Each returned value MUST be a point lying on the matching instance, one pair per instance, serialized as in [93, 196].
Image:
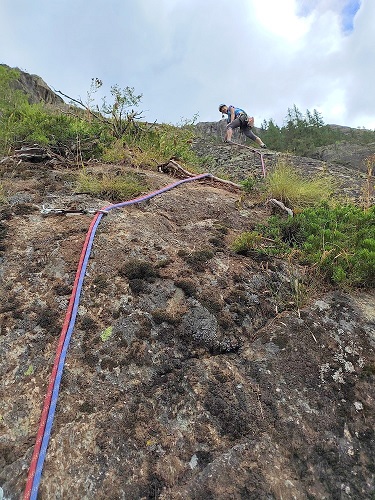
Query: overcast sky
[188, 56]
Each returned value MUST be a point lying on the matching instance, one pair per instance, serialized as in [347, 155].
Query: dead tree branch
[173, 168]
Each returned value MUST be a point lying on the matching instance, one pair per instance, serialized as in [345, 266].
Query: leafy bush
[37, 124]
[116, 152]
[112, 131]
[9, 97]
[155, 144]
[248, 184]
[151, 144]
[297, 192]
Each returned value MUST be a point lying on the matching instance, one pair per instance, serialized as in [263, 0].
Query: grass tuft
[249, 240]
[295, 191]
[111, 186]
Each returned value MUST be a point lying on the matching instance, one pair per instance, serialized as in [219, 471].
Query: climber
[237, 117]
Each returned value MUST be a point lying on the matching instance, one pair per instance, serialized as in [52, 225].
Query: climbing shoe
[263, 146]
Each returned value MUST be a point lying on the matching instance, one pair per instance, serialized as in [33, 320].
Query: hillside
[193, 372]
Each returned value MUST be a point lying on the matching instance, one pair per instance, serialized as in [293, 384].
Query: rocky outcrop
[347, 154]
[193, 372]
[241, 163]
[35, 88]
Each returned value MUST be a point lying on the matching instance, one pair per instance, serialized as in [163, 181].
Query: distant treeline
[302, 133]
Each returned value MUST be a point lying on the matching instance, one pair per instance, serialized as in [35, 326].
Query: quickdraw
[67, 211]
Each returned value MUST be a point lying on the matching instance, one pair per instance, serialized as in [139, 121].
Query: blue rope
[57, 382]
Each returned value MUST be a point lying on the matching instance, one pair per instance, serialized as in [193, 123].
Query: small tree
[121, 112]
[272, 135]
[119, 115]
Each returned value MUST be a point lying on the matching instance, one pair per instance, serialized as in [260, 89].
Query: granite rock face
[193, 372]
[347, 154]
[36, 89]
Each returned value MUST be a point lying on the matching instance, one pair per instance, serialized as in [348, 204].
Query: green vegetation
[247, 241]
[285, 184]
[249, 184]
[111, 185]
[339, 241]
[106, 333]
[35, 124]
[29, 371]
[336, 239]
[22, 122]
[112, 132]
[152, 145]
[10, 98]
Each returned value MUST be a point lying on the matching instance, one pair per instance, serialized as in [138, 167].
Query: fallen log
[176, 170]
[34, 154]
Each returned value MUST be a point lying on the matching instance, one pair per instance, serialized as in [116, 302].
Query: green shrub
[10, 98]
[156, 144]
[246, 241]
[115, 152]
[112, 131]
[248, 184]
[339, 240]
[36, 124]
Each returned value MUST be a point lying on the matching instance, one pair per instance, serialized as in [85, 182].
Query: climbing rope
[49, 407]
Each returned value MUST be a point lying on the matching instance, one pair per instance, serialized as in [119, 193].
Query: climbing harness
[50, 402]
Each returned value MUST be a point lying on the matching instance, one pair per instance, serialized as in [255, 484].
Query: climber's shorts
[245, 129]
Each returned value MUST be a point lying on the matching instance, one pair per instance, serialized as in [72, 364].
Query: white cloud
[281, 19]
[187, 56]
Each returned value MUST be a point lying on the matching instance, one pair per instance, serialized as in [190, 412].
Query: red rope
[47, 400]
